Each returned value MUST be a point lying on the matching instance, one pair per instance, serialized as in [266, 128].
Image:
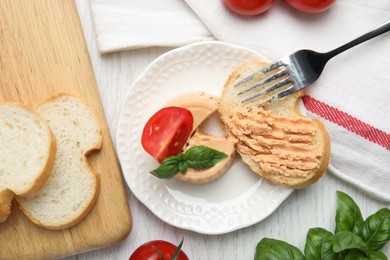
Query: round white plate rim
[124, 157]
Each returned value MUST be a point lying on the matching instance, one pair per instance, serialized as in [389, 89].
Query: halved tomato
[166, 132]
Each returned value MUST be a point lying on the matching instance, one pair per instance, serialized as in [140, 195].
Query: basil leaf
[272, 249]
[183, 166]
[348, 215]
[347, 240]
[376, 229]
[356, 255]
[198, 157]
[375, 255]
[319, 245]
[203, 157]
[359, 255]
[168, 168]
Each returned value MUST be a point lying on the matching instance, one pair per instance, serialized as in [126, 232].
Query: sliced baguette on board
[73, 188]
[275, 141]
[27, 151]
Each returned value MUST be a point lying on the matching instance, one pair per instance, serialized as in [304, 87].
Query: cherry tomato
[249, 7]
[166, 132]
[311, 6]
[148, 251]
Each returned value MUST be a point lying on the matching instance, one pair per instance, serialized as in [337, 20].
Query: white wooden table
[311, 207]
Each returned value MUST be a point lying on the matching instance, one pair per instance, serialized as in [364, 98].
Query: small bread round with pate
[276, 141]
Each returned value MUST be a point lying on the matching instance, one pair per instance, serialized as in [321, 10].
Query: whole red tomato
[311, 6]
[151, 251]
[166, 132]
[249, 7]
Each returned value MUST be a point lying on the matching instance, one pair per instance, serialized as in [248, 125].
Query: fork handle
[385, 27]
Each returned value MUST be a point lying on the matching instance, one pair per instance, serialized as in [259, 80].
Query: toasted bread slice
[276, 140]
[27, 151]
[73, 188]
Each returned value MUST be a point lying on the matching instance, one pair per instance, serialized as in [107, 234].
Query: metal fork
[299, 70]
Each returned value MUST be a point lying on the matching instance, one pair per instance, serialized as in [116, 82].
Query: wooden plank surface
[43, 53]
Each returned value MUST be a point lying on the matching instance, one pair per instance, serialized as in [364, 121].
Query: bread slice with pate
[27, 151]
[275, 140]
[73, 188]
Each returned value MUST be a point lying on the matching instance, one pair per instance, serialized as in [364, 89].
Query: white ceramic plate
[240, 198]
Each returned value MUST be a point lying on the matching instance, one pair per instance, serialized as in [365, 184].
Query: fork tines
[282, 74]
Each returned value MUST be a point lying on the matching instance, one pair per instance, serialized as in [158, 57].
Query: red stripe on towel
[347, 121]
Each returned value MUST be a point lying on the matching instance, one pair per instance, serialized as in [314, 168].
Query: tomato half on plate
[167, 131]
[311, 6]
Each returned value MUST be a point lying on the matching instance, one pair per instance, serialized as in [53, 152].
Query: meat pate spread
[284, 146]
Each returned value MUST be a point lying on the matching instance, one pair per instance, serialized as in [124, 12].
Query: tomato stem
[158, 252]
[178, 249]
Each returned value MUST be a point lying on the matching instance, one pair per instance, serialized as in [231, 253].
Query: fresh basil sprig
[354, 237]
[197, 157]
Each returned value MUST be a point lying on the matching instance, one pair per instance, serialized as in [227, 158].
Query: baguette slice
[73, 188]
[27, 151]
[276, 141]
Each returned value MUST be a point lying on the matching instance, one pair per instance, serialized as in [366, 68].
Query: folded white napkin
[130, 24]
[352, 97]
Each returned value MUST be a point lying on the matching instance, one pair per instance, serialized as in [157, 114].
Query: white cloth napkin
[131, 24]
[352, 97]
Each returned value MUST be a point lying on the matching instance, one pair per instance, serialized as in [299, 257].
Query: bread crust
[230, 100]
[6, 197]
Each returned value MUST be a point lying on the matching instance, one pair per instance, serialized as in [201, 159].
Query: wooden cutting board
[43, 53]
